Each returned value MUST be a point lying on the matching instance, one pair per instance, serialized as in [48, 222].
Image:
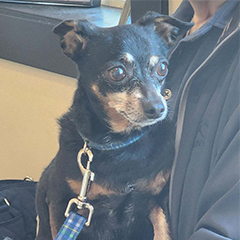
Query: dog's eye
[117, 73]
[162, 69]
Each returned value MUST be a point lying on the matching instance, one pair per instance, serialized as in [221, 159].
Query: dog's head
[123, 69]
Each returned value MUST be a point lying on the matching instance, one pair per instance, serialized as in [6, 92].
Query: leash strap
[71, 228]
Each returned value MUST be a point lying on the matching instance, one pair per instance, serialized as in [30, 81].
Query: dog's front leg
[56, 216]
[43, 231]
[160, 225]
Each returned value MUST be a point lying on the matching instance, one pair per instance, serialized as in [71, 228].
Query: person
[204, 80]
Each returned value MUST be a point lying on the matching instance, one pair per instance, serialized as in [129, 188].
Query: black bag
[17, 210]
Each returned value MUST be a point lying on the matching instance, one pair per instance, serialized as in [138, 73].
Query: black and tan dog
[116, 108]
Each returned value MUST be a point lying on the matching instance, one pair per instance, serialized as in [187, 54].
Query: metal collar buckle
[88, 177]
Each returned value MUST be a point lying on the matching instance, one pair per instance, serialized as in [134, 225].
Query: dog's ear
[74, 36]
[169, 28]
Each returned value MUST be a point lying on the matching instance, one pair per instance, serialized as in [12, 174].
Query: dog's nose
[153, 111]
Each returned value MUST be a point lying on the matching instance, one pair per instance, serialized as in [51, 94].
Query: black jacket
[204, 78]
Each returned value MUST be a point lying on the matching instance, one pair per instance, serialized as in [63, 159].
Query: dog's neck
[113, 141]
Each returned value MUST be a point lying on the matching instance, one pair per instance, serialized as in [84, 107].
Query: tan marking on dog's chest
[156, 185]
[95, 189]
[160, 225]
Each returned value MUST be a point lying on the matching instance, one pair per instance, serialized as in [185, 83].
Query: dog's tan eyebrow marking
[127, 57]
[153, 60]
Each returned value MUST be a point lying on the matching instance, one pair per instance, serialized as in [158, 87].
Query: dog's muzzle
[154, 110]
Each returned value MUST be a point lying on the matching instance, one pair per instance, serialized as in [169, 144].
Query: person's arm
[219, 203]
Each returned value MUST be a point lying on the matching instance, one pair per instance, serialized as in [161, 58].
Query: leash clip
[80, 205]
[88, 177]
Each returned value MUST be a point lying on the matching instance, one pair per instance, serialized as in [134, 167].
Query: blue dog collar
[107, 146]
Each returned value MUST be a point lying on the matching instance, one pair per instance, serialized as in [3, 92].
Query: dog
[117, 113]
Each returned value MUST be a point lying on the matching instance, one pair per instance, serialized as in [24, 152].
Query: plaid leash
[74, 222]
[71, 227]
